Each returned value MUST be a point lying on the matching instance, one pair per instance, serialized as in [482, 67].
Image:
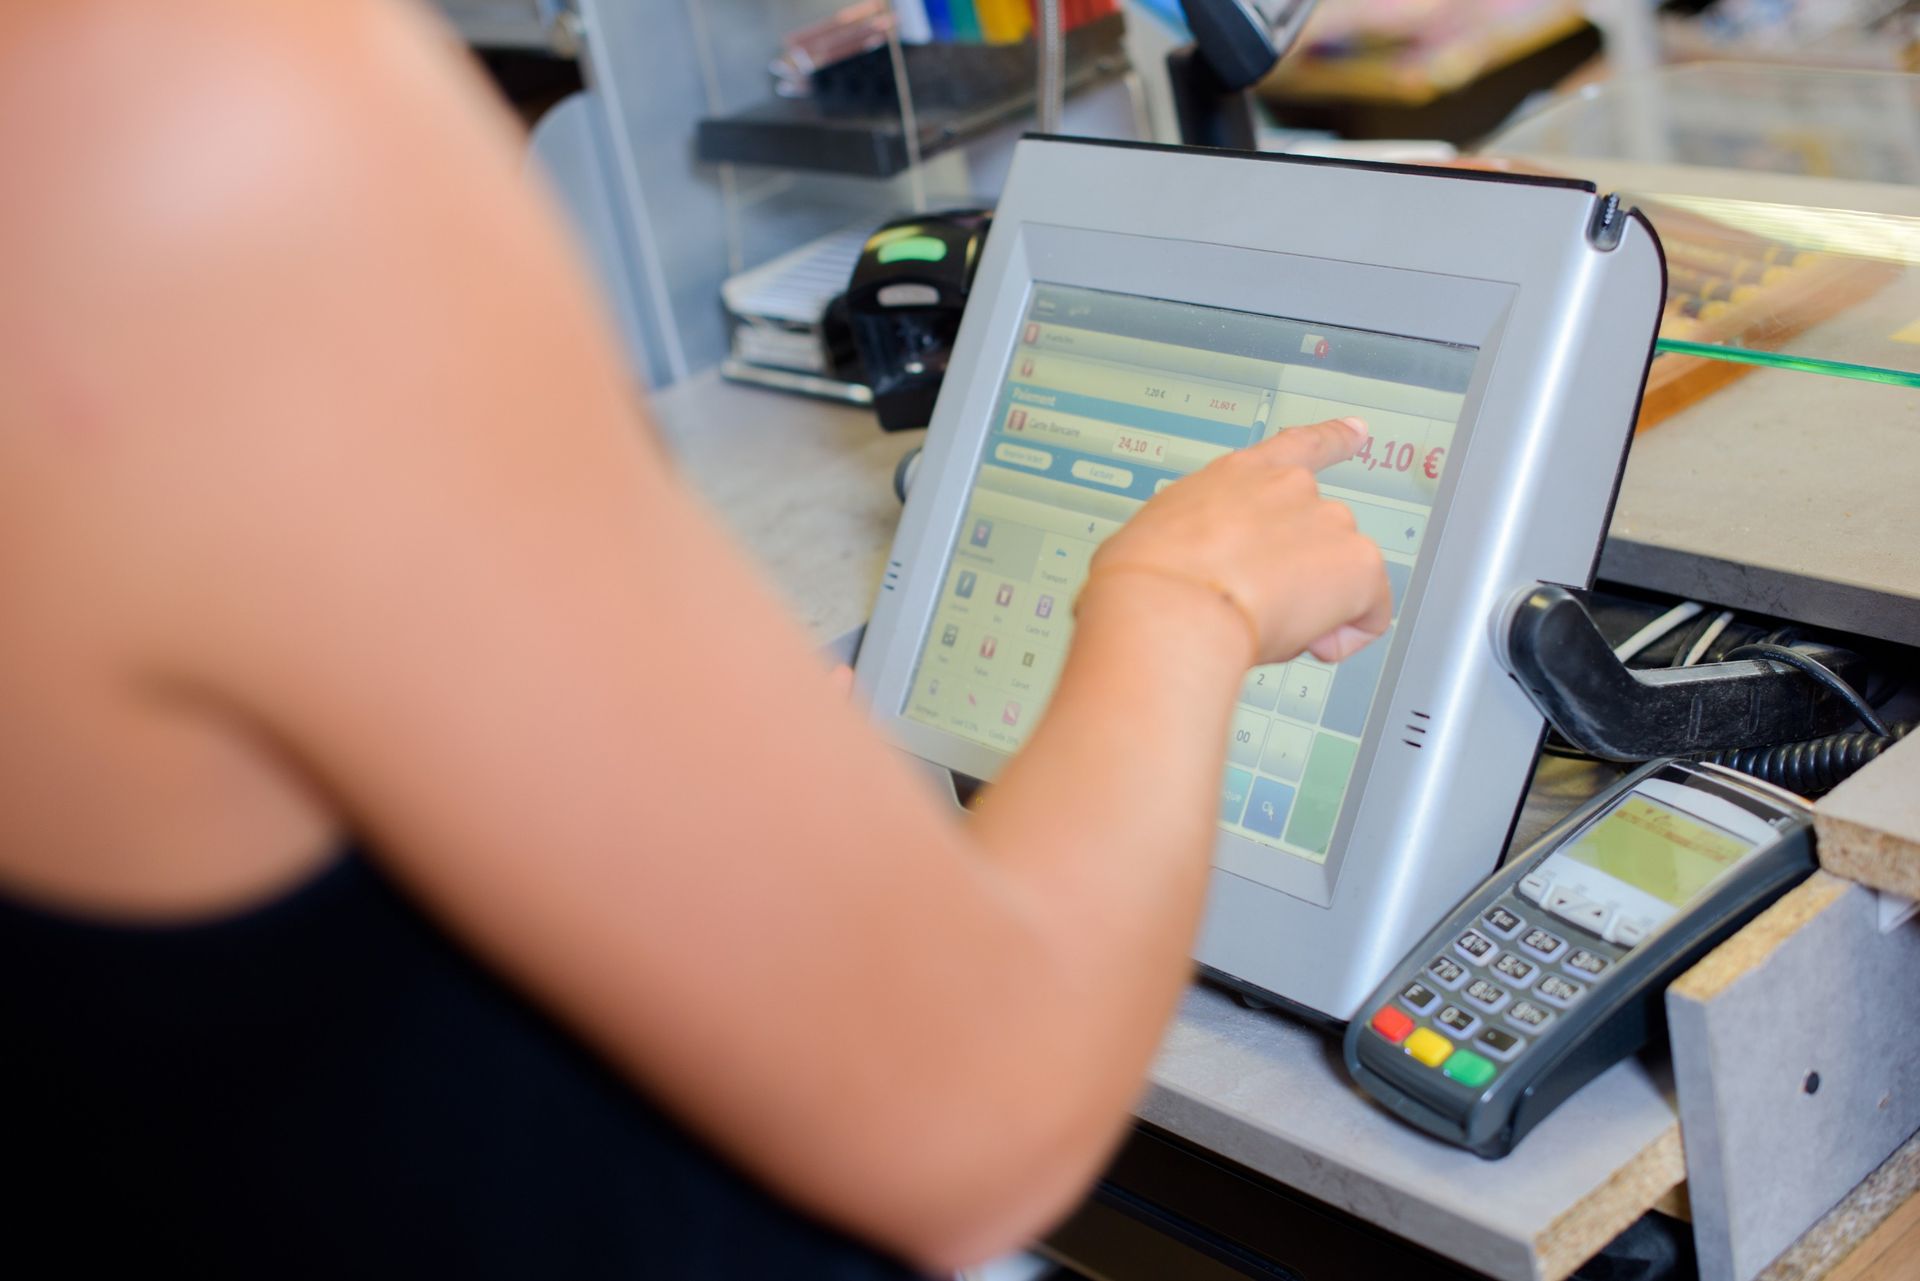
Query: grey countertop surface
[1789, 494]
[806, 486]
[1272, 1094]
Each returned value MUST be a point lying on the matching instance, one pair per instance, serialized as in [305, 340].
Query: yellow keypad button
[1429, 1046]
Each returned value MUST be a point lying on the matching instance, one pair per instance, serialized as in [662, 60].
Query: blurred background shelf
[1374, 103]
[824, 135]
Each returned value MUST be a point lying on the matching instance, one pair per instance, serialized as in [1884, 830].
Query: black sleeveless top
[329, 1086]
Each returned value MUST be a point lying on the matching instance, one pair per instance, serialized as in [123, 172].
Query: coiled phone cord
[1816, 766]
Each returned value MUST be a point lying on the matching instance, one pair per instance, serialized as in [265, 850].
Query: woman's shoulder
[110, 52]
[234, 235]
[193, 170]
[141, 115]
[124, 64]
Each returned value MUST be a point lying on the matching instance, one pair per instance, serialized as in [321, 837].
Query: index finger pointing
[1314, 446]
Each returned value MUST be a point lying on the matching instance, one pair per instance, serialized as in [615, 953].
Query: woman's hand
[1252, 528]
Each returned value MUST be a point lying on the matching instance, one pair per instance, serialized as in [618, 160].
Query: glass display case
[725, 157]
[1780, 431]
[1786, 201]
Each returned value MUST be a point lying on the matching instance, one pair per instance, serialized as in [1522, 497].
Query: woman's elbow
[988, 1204]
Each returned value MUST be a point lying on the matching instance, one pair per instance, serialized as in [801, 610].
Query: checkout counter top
[807, 486]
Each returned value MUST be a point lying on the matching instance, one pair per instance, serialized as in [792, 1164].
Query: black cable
[1740, 632]
[1820, 672]
[1816, 766]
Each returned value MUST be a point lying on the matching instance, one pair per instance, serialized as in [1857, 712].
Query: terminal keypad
[1499, 1043]
[1559, 991]
[1510, 977]
[1526, 1014]
[1475, 946]
[1488, 996]
[1516, 969]
[1543, 944]
[1501, 921]
[1589, 963]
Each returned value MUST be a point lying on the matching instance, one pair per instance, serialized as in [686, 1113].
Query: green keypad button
[1469, 1069]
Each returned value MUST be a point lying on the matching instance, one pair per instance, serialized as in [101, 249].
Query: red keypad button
[1392, 1024]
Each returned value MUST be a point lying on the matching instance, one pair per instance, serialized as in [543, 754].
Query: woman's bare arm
[342, 455]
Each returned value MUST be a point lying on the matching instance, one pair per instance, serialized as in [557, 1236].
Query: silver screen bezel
[1431, 306]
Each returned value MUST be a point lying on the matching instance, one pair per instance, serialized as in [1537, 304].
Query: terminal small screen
[1657, 850]
[1109, 398]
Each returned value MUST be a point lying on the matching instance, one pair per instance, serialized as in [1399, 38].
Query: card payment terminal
[1556, 968]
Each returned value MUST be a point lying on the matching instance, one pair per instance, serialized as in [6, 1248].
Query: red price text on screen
[1399, 455]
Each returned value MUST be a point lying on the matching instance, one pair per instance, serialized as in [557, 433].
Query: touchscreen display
[1658, 850]
[1109, 398]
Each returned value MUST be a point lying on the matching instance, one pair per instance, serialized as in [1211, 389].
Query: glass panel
[1783, 199]
[1758, 283]
[1853, 125]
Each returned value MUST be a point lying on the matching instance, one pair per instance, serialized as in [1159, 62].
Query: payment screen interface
[1657, 850]
[1110, 398]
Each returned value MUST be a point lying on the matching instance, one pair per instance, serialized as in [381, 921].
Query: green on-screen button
[913, 249]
